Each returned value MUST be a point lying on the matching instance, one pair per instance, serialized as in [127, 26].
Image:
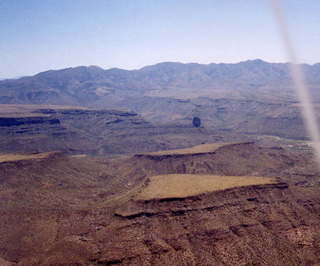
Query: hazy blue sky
[38, 35]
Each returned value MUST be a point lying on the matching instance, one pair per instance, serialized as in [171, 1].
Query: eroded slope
[81, 210]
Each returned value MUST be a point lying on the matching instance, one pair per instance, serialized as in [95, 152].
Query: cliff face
[18, 121]
[258, 225]
[233, 159]
[70, 130]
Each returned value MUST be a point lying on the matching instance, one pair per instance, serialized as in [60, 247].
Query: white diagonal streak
[307, 109]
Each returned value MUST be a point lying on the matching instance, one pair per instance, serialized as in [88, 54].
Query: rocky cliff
[72, 130]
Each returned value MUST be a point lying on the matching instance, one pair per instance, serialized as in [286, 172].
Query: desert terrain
[105, 167]
[217, 205]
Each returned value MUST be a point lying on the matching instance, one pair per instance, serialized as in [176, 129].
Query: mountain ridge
[84, 85]
[257, 60]
[155, 66]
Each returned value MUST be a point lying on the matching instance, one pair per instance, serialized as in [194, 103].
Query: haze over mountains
[250, 97]
[94, 86]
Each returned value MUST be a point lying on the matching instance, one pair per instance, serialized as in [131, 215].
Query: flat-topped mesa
[166, 199]
[195, 150]
[187, 185]
[85, 112]
[32, 110]
[225, 159]
[107, 117]
[39, 128]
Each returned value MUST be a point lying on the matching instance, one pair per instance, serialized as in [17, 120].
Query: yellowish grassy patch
[23, 107]
[79, 155]
[19, 157]
[204, 148]
[183, 185]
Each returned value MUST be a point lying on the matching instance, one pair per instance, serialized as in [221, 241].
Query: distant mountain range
[251, 97]
[94, 86]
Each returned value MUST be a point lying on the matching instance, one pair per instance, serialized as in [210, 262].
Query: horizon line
[145, 66]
